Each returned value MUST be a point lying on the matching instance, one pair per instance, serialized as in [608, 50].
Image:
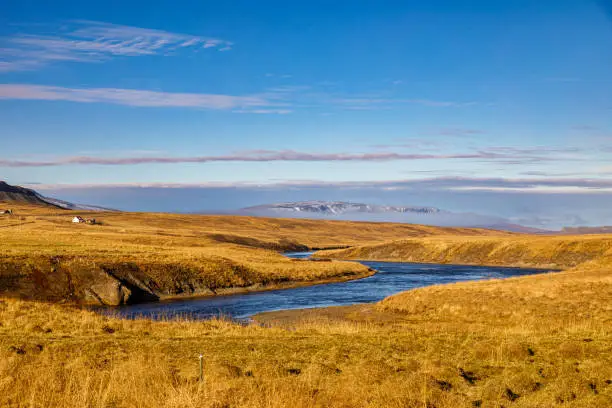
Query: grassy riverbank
[533, 341]
[562, 251]
[536, 341]
[134, 257]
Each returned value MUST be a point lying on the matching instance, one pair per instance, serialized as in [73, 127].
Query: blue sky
[446, 97]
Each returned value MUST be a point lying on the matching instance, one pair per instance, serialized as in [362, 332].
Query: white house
[78, 220]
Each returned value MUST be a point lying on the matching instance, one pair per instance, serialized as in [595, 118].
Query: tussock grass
[533, 341]
[537, 341]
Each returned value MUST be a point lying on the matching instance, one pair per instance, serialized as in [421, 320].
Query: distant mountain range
[22, 195]
[340, 210]
[339, 207]
[383, 213]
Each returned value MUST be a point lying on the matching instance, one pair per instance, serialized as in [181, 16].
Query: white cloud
[89, 41]
[500, 185]
[507, 157]
[278, 100]
[133, 97]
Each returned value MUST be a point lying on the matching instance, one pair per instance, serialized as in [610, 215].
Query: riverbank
[535, 341]
[347, 276]
[546, 252]
[390, 278]
[540, 340]
[146, 257]
[136, 257]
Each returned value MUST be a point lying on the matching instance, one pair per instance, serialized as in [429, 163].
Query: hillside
[17, 195]
[540, 340]
[135, 257]
[350, 211]
[11, 195]
[562, 251]
[534, 341]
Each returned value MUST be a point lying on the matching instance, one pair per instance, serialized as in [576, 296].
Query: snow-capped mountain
[339, 207]
[342, 210]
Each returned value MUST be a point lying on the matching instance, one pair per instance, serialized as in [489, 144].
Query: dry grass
[534, 341]
[46, 257]
[538, 341]
[562, 251]
[255, 231]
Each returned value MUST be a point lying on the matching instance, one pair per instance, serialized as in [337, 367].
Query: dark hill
[21, 195]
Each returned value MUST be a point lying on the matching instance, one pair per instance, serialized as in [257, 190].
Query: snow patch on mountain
[340, 207]
[341, 210]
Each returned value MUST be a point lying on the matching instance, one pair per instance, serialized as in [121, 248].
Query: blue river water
[392, 277]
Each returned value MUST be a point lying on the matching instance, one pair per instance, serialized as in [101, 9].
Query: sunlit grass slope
[537, 341]
[133, 257]
[563, 251]
[534, 341]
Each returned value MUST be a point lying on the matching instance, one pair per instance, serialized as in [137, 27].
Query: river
[392, 277]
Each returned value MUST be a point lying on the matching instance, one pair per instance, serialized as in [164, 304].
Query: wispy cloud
[90, 41]
[555, 174]
[495, 154]
[534, 150]
[277, 100]
[265, 111]
[132, 97]
[364, 103]
[516, 185]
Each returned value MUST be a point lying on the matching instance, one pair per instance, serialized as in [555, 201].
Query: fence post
[201, 368]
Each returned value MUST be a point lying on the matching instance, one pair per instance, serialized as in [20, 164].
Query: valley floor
[534, 341]
[537, 341]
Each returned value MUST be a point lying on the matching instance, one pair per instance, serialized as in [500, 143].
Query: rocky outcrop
[111, 293]
[58, 279]
[111, 282]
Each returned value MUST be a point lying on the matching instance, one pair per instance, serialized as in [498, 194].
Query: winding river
[392, 277]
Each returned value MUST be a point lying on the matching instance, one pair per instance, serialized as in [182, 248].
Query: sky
[502, 108]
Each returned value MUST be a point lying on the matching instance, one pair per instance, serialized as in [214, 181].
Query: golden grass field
[561, 251]
[46, 257]
[535, 341]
